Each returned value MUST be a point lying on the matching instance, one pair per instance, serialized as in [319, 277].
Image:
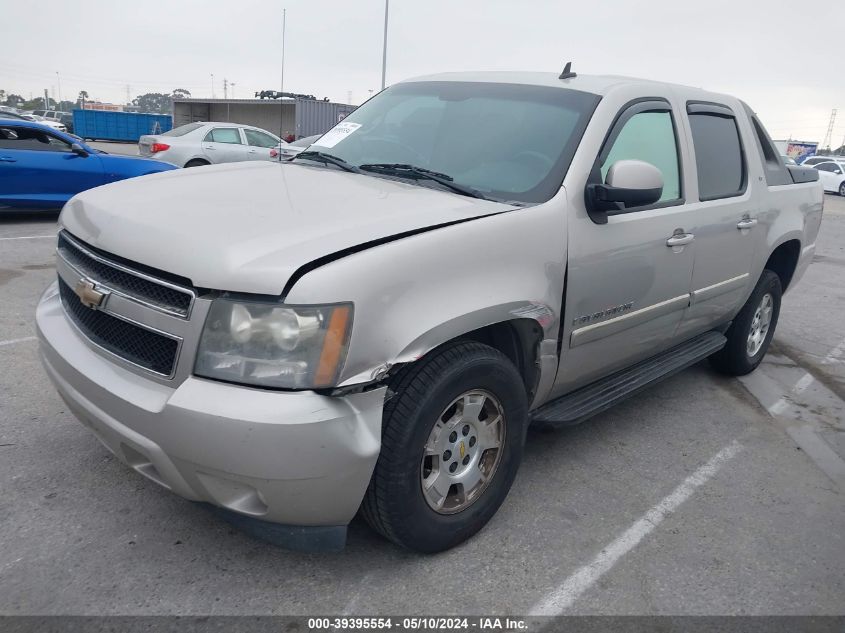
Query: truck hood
[247, 227]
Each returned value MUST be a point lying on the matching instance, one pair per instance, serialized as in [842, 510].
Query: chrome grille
[136, 285]
[153, 351]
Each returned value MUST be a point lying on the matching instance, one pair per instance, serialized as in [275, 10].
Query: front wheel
[842, 189]
[453, 431]
[752, 330]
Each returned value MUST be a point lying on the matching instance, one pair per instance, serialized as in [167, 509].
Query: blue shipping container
[118, 126]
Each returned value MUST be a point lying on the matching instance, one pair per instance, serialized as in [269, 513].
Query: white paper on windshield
[337, 134]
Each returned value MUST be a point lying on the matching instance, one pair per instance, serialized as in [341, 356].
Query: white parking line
[559, 600]
[12, 341]
[801, 386]
[834, 356]
[30, 237]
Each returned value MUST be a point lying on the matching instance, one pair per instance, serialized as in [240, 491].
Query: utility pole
[828, 137]
[225, 88]
[384, 48]
[348, 97]
[233, 89]
[128, 98]
[59, 83]
[212, 85]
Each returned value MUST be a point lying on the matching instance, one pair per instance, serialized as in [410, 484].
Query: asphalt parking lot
[703, 495]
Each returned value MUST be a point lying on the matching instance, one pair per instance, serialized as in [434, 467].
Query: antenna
[567, 72]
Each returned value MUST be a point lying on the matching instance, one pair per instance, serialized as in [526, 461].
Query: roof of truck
[597, 84]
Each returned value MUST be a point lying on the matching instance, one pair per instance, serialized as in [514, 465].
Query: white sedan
[198, 144]
[832, 175]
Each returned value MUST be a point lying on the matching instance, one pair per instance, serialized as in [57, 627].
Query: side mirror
[631, 183]
[77, 149]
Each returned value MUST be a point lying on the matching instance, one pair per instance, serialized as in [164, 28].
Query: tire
[741, 355]
[842, 189]
[423, 394]
[196, 162]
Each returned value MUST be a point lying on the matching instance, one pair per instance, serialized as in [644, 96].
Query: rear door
[259, 144]
[39, 168]
[726, 210]
[628, 279]
[224, 145]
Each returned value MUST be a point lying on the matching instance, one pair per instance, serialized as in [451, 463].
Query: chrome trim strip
[717, 289]
[595, 331]
[135, 273]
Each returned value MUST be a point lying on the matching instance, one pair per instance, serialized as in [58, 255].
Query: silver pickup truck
[374, 325]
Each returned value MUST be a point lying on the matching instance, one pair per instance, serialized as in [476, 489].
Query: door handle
[7, 159]
[746, 223]
[680, 239]
[209, 147]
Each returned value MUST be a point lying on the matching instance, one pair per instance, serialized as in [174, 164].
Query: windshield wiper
[329, 159]
[420, 173]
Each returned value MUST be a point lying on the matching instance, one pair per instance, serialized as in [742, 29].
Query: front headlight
[274, 345]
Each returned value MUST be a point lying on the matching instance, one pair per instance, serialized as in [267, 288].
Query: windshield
[509, 142]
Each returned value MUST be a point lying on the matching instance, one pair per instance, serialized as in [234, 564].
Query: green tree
[2, 97]
[153, 102]
[16, 101]
[38, 104]
[181, 93]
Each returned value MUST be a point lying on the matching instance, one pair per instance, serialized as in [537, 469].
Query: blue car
[43, 168]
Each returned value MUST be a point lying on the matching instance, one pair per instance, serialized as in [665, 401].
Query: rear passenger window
[650, 137]
[224, 135]
[718, 152]
[773, 167]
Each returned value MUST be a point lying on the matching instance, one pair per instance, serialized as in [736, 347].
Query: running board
[599, 396]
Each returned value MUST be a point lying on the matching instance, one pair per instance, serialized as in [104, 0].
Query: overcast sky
[770, 53]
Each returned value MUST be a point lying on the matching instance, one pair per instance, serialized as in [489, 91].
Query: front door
[38, 168]
[830, 175]
[259, 144]
[628, 280]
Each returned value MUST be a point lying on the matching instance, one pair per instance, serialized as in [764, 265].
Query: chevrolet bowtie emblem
[88, 294]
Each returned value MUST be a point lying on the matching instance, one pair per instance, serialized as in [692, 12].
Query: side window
[773, 167]
[650, 137]
[718, 153]
[831, 167]
[224, 135]
[25, 138]
[259, 139]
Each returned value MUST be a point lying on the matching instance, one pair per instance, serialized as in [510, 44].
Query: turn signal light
[159, 147]
[273, 153]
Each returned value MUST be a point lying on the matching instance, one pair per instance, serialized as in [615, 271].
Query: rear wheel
[452, 439]
[842, 188]
[752, 330]
[196, 162]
